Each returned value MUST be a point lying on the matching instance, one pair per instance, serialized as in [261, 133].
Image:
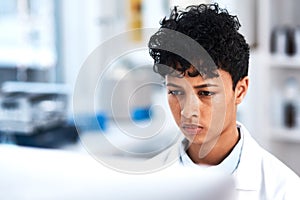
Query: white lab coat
[262, 176]
[259, 175]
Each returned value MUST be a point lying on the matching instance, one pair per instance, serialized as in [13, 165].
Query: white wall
[83, 25]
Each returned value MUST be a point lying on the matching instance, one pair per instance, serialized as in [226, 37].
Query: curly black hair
[214, 30]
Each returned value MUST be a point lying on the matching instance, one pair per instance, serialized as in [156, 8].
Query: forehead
[223, 80]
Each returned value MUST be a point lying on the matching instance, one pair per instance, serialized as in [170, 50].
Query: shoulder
[273, 176]
[271, 166]
[278, 177]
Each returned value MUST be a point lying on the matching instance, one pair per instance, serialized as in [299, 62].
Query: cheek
[222, 109]
[175, 108]
[218, 109]
[230, 108]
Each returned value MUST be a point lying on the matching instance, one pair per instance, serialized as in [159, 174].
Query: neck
[218, 152]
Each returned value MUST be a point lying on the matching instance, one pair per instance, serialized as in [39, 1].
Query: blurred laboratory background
[44, 45]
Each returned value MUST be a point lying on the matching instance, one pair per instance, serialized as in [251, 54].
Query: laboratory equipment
[35, 114]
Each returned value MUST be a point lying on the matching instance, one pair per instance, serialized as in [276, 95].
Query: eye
[176, 92]
[206, 93]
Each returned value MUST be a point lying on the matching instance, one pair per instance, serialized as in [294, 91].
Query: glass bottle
[290, 103]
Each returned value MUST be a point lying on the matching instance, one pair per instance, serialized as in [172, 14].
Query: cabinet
[284, 104]
[28, 41]
[274, 70]
[280, 64]
[28, 33]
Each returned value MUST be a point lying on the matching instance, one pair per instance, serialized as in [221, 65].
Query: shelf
[287, 135]
[40, 58]
[285, 62]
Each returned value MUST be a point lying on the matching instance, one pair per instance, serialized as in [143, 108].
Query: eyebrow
[197, 86]
[206, 85]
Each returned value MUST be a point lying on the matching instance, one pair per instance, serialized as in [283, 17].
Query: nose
[190, 106]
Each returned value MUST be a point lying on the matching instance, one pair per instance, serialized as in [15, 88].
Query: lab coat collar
[248, 174]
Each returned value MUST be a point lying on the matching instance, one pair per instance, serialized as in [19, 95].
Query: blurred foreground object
[35, 174]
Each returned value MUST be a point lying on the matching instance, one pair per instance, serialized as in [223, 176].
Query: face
[205, 109]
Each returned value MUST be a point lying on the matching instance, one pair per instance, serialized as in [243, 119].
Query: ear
[241, 90]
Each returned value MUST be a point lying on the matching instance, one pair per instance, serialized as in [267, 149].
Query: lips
[192, 129]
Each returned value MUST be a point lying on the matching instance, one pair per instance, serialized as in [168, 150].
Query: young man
[206, 80]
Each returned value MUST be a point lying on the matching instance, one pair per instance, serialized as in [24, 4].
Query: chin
[199, 140]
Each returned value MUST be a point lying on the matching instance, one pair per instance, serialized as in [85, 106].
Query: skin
[205, 111]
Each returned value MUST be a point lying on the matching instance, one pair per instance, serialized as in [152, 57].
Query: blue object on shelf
[141, 113]
[92, 122]
[102, 120]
